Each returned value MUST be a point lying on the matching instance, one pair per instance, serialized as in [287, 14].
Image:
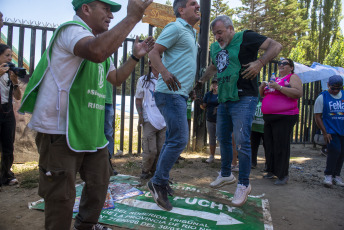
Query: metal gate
[36, 38]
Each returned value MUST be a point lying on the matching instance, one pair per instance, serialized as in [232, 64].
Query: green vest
[86, 99]
[228, 68]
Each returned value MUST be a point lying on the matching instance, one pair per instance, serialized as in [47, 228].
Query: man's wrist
[135, 58]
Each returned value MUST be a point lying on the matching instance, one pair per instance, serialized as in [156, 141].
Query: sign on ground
[194, 208]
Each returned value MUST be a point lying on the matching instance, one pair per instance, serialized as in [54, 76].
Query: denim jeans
[108, 127]
[335, 155]
[236, 117]
[173, 109]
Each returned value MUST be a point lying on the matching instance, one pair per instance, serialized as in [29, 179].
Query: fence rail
[17, 33]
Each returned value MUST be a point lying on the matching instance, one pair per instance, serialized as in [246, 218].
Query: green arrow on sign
[221, 219]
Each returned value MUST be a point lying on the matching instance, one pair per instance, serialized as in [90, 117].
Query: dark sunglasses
[283, 63]
[336, 88]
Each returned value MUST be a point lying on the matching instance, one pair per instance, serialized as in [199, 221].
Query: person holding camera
[9, 89]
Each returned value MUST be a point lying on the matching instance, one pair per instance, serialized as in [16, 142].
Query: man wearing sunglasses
[329, 116]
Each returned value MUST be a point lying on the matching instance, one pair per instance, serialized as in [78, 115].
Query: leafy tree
[325, 16]
[251, 15]
[336, 54]
[281, 20]
[298, 53]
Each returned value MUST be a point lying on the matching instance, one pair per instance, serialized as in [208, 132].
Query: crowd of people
[74, 79]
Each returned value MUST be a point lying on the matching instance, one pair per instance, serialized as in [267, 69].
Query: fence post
[199, 130]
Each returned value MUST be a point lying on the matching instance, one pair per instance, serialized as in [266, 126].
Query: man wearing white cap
[66, 96]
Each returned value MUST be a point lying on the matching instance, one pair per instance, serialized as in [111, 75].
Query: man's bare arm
[98, 49]
[117, 77]
[209, 72]
[272, 49]
[155, 57]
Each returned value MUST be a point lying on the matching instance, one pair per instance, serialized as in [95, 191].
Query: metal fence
[37, 40]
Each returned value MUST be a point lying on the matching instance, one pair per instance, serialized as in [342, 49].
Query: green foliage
[298, 53]
[281, 20]
[117, 122]
[325, 16]
[27, 174]
[336, 54]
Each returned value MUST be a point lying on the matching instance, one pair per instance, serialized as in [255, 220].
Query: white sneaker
[210, 159]
[235, 168]
[221, 181]
[13, 182]
[328, 181]
[338, 181]
[241, 194]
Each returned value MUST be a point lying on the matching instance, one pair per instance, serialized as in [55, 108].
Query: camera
[20, 72]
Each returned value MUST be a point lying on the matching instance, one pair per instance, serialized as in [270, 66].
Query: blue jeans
[108, 127]
[335, 155]
[236, 117]
[173, 109]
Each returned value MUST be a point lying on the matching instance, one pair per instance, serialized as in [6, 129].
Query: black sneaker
[144, 176]
[159, 193]
[269, 175]
[170, 191]
[100, 227]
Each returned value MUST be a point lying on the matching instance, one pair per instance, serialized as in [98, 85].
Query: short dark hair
[177, 4]
[3, 47]
[291, 63]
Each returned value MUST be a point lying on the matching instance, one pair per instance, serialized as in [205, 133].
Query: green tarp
[194, 208]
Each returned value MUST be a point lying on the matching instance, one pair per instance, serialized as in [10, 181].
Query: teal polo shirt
[180, 56]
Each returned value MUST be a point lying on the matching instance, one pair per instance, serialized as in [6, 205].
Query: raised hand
[136, 8]
[140, 49]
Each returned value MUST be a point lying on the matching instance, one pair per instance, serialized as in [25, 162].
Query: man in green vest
[66, 96]
[234, 59]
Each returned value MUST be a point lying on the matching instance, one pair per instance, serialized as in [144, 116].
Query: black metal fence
[37, 42]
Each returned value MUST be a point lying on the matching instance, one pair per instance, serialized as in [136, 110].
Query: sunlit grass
[27, 174]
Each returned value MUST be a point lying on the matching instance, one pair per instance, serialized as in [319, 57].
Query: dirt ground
[304, 203]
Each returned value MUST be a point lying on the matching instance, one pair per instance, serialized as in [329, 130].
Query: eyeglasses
[336, 88]
[283, 63]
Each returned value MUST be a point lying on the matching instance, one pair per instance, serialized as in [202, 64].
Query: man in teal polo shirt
[177, 43]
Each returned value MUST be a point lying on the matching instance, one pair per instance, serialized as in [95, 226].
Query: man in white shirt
[66, 95]
[153, 123]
